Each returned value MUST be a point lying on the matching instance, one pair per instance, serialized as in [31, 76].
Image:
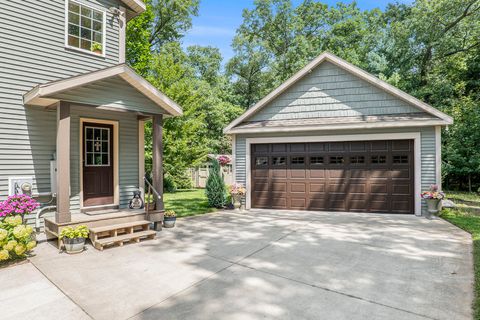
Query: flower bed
[16, 238]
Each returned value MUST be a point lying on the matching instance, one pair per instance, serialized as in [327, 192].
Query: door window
[97, 147]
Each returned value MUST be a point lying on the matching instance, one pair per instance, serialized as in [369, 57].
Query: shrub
[169, 184]
[16, 239]
[215, 188]
[17, 205]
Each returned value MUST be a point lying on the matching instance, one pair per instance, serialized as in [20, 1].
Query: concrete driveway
[274, 265]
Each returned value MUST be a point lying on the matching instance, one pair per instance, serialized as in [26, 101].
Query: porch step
[117, 234]
[120, 240]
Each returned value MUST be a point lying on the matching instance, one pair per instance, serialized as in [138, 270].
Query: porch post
[157, 161]
[63, 163]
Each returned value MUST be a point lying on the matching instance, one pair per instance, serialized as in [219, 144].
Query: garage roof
[436, 117]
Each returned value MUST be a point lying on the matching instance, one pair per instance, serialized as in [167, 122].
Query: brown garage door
[364, 176]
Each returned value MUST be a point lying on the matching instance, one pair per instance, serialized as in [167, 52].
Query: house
[335, 138]
[199, 175]
[68, 100]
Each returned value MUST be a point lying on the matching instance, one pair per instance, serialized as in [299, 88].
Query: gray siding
[428, 171]
[32, 52]
[128, 151]
[329, 91]
[114, 93]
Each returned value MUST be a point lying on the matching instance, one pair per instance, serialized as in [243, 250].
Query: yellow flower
[20, 249]
[31, 245]
[10, 245]
[3, 234]
[14, 220]
[19, 231]
[29, 230]
[4, 255]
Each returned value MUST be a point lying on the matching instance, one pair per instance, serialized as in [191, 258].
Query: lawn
[469, 222]
[187, 202]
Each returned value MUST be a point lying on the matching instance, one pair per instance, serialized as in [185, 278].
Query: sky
[218, 20]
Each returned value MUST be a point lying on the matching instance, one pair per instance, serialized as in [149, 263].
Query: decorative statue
[136, 202]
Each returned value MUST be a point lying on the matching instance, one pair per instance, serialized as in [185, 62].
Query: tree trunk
[469, 182]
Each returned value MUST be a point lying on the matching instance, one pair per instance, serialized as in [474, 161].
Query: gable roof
[326, 56]
[43, 95]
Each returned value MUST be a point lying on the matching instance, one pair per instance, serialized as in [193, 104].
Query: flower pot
[169, 222]
[97, 51]
[433, 207]
[74, 245]
[150, 206]
[237, 201]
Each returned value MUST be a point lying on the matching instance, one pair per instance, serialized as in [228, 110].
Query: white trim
[438, 156]
[326, 56]
[342, 126]
[104, 22]
[234, 157]
[116, 160]
[39, 95]
[122, 30]
[415, 136]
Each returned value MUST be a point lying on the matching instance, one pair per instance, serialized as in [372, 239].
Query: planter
[98, 52]
[237, 201]
[74, 245]
[169, 222]
[433, 207]
[150, 206]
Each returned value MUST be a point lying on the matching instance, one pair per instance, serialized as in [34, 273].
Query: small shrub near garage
[215, 189]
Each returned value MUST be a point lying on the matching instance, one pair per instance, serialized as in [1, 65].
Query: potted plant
[74, 238]
[96, 47]
[169, 219]
[433, 197]
[237, 191]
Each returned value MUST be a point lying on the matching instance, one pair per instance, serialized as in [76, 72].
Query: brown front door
[363, 176]
[97, 164]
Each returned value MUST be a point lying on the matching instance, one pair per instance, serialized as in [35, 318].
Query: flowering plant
[237, 189]
[170, 214]
[16, 239]
[17, 204]
[223, 160]
[433, 193]
[77, 232]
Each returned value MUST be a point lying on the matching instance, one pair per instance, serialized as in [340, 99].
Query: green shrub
[215, 189]
[16, 239]
[169, 184]
[77, 232]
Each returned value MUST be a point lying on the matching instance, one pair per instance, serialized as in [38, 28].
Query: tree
[215, 189]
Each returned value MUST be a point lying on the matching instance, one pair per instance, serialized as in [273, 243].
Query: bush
[169, 184]
[215, 188]
[183, 180]
[16, 239]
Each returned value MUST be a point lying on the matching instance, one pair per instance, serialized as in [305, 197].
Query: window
[379, 159]
[336, 159]
[261, 161]
[400, 159]
[85, 28]
[97, 147]
[316, 160]
[357, 159]
[279, 161]
[297, 160]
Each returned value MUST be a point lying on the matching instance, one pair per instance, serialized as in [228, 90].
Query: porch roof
[118, 88]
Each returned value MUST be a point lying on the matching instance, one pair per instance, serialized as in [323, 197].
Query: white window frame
[104, 22]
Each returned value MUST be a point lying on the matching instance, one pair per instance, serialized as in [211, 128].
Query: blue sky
[218, 20]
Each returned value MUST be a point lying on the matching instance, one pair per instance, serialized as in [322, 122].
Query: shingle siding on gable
[329, 91]
[32, 52]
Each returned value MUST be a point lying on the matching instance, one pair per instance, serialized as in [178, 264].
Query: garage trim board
[415, 136]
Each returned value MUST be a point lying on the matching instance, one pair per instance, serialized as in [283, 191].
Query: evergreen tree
[215, 188]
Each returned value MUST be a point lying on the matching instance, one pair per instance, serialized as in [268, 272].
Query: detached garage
[335, 138]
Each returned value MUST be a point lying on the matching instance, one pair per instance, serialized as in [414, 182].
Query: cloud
[211, 31]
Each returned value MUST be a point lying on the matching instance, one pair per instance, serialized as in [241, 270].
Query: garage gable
[330, 91]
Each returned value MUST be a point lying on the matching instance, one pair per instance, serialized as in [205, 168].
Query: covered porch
[100, 147]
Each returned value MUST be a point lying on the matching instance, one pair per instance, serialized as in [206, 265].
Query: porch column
[157, 161]
[63, 163]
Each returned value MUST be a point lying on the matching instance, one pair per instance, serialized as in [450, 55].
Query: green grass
[187, 202]
[471, 223]
[471, 198]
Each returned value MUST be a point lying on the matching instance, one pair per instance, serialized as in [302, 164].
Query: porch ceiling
[118, 88]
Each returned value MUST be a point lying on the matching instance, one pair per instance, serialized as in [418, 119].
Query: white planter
[75, 245]
[433, 207]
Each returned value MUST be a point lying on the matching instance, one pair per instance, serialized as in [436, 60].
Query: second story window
[85, 28]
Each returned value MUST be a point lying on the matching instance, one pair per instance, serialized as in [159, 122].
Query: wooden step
[120, 240]
[120, 226]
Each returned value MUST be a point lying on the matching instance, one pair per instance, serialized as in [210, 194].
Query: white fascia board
[326, 56]
[423, 123]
